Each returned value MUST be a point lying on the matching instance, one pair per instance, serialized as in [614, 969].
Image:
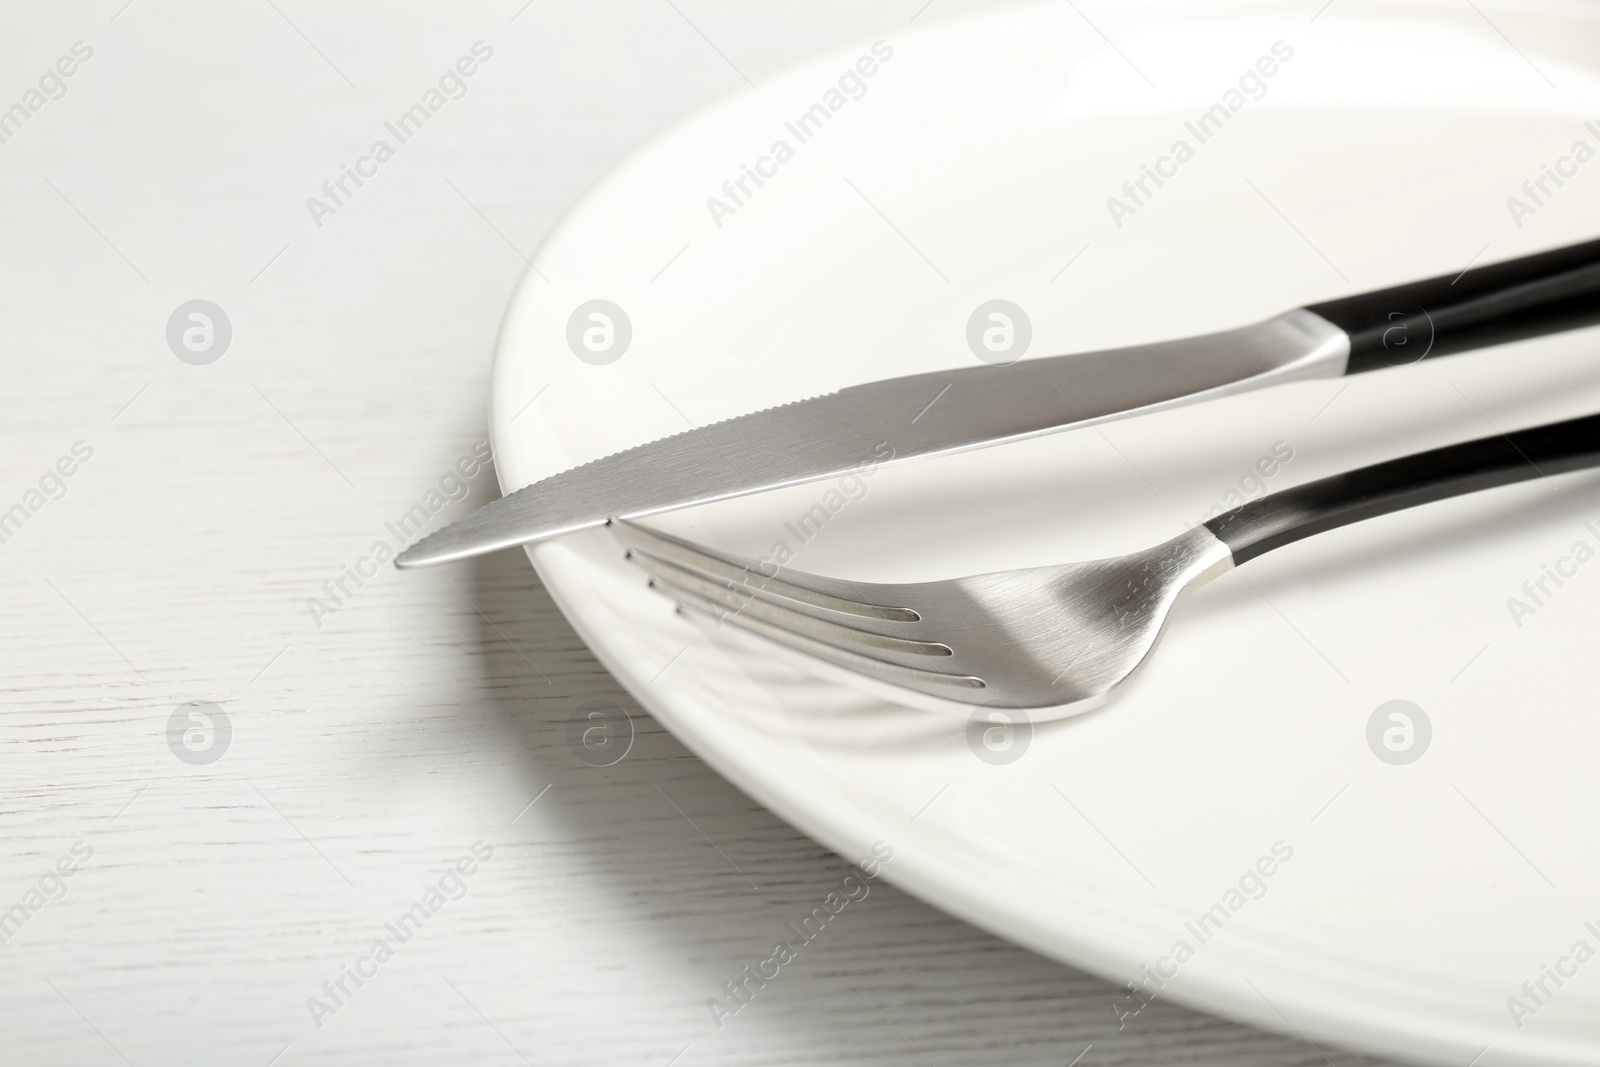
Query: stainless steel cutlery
[1050, 641]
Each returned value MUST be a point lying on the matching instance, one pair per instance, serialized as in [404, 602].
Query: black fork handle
[1328, 503]
[1489, 305]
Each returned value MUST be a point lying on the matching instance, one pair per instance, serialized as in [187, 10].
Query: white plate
[977, 165]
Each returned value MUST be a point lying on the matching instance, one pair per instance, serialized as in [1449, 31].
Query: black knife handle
[1328, 503]
[1489, 305]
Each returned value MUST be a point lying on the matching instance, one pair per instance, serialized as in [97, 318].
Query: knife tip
[411, 558]
[472, 536]
[437, 547]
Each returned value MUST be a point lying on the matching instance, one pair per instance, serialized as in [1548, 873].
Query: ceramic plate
[1249, 829]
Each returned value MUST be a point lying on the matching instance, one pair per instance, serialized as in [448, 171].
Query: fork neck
[1328, 503]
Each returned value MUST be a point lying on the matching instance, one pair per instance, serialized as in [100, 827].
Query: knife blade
[893, 421]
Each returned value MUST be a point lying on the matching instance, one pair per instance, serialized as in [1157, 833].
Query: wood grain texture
[373, 746]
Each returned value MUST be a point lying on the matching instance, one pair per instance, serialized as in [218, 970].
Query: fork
[1056, 641]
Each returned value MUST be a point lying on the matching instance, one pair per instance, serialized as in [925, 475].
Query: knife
[940, 412]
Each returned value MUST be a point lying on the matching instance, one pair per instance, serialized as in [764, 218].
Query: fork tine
[830, 594]
[804, 645]
[884, 634]
[732, 603]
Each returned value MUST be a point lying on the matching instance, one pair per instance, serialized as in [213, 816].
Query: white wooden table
[381, 726]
